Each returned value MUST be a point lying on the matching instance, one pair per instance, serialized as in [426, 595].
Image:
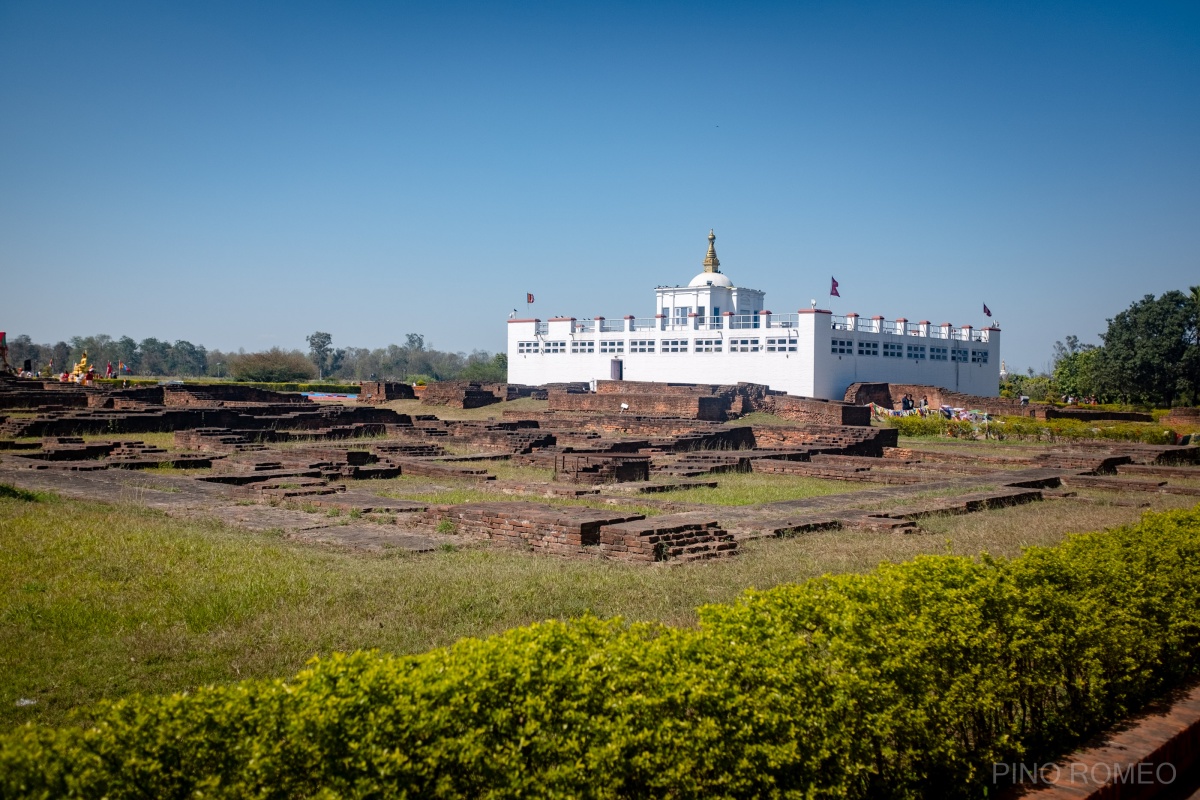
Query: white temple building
[712, 331]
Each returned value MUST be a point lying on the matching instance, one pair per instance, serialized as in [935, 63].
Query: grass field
[98, 601]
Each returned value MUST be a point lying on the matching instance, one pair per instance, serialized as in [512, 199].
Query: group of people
[907, 403]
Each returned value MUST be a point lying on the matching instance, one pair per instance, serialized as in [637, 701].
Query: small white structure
[712, 331]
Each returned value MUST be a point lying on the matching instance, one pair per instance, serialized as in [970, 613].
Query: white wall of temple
[812, 353]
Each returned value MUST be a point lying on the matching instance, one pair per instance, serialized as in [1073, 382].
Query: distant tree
[485, 369]
[155, 357]
[414, 341]
[1075, 367]
[320, 348]
[272, 366]
[127, 353]
[1040, 388]
[187, 359]
[61, 354]
[1151, 354]
[21, 348]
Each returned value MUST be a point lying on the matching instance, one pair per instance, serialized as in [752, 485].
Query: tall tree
[1074, 367]
[320, 348]
[1150, 353]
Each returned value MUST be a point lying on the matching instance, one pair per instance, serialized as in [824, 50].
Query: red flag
[528, 298]
[987, 311]
[833, 288]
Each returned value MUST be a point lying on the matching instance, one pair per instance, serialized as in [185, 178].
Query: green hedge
[1027, 428]
[906, 682]
[337, 388]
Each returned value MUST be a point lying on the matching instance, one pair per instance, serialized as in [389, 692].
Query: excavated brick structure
[378, 392]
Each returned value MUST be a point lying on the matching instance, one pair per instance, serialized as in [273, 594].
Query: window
[528, 347]
[916, 351]
[841, 346]
[641, 345]
[958, 355]
[781, 345]
[937, 353]
[979, 356]
[612, 345]
[681, 314]
[580, 346]
[868, 348]
[674, 345]
[708, 345]
[891, 350]
[554, 347]
[743, 346]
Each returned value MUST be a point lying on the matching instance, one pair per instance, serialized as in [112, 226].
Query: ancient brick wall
[226, 394]
[861, 394]
[458, 394]
[889, 395]
[824, 412]
[1091, 415]
[597, 468]
[707, 407]
[541, 528]
[1183, 416]
[853, 440]
[375, 392]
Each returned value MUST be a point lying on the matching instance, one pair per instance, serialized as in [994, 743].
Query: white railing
[784, 321]
[643, 324]
[887, 326]
[742, 321]
[709, 323]
[541, 329]
[585, 326]
[612, 325]
[840, 323]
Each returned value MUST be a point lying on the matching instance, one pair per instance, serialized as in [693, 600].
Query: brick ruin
[888, 395]
[379, 392]
[262, 447]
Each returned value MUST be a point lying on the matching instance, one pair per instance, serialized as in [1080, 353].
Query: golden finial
[711, 262]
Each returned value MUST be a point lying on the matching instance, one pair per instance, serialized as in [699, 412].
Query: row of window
[916, 352]
[781, 345]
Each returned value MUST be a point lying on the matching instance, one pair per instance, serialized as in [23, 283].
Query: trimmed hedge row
[906, 682]
[338, 388]
[1025, 428]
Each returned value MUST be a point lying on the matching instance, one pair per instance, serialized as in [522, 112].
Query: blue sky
[242, 174]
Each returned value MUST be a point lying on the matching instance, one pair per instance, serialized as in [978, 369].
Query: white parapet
[811, 353]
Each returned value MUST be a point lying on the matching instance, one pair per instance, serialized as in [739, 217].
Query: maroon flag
[833, 287]
[987, 311]
[528, 298]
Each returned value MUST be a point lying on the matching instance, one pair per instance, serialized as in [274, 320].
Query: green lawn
[98, 601]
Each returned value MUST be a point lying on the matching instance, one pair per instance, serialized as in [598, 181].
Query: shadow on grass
[13, 493]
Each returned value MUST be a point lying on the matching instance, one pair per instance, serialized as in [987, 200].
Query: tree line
[411, 362]
[1150, 355]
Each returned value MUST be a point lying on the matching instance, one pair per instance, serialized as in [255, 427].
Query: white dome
[713, 278]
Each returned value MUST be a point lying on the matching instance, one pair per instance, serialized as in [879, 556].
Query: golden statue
[82, 366]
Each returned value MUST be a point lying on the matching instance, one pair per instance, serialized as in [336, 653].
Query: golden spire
[711, 262]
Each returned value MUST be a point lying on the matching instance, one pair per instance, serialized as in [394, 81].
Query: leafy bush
[1068, 429]
[907, 682]
[1028, 428]
[935, 425]
[271, 366]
